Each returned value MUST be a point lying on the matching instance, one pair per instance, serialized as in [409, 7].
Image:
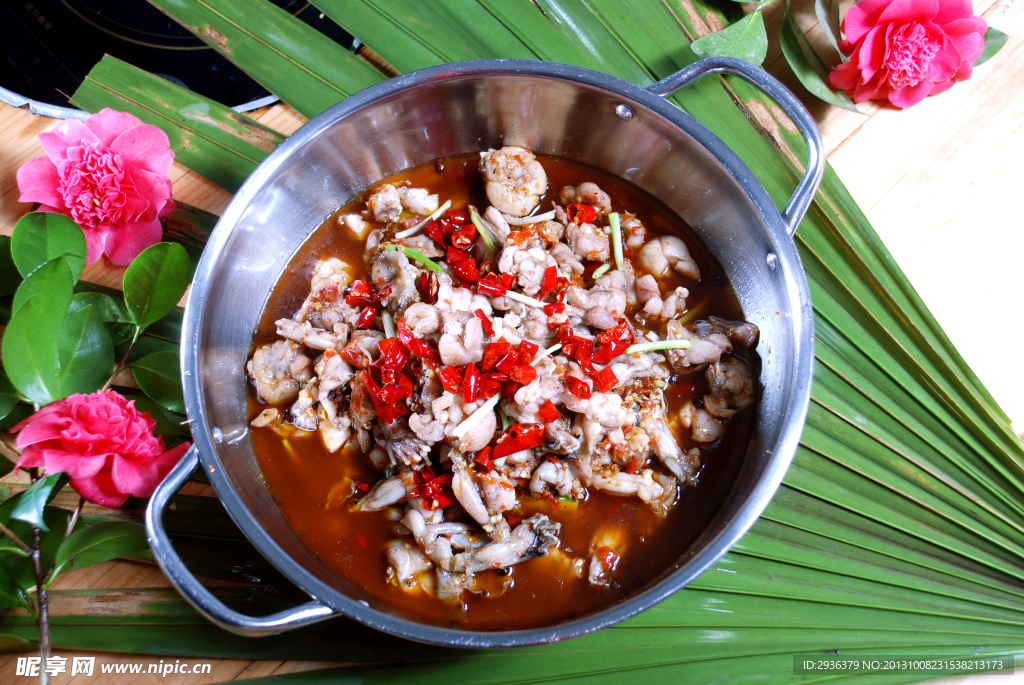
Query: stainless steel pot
[455, 109]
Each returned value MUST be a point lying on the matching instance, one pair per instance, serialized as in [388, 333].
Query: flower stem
[14, 538]
[74, 517]
[121, 363]
[43, 617]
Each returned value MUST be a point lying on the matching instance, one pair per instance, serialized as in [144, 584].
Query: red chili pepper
[494, 353]
[485, 458]
[580, 213]
[456, 256]
[415, 345]
[584, 353]
[527, 351]
[578, 387]
[447, 225]
[434, 231]
[466, 271]
[524, 374]
[548, 412]
[393, 394]
[435, 493]
[506, 363]
[361, 486]
[518, 437]
[491, 286]
[508, 280]
[554, 308]
[607, 351]
[367, 316]
[428, 286]
[394, 355]
[451, 378]
[459, 217]
[463, 238]
[548, 282]
[605, 379]
[485, 322]
[471, 384]
[489, 386]
[385, 411]
[509, 388]
[615, 333]
[360, 295]
[424, 475]
[561, 286]
[385, 292]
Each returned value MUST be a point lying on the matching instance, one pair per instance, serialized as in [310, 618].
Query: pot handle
[190, 588]
[804, 193]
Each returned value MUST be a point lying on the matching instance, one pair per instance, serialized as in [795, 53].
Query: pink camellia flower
[109, 174]
[102, 442]
[906, 50]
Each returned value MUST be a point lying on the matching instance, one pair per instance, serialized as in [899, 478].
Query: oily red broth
[303, 476]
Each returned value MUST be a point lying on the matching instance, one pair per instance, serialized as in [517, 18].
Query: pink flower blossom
[905, 50]
[102, 442]
[109, 174]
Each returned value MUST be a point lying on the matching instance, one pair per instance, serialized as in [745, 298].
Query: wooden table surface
[939, 183]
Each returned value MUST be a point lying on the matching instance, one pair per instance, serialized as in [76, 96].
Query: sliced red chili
[605, 379]
[614, 333]
[579, 213]
[385, 292]
[578, 387]
[435, 493]
[584, 353]
[385, 411]
[434, 231]
[466, 271]
[489, 386]
[471, 384]
[361, 486]
[561, 286]
[609, 350]
[527, 351]
[554, 308]
[428, 286]
[494, 353]
[415, 345]
[463, 238]
[485, 458]
[360, 295]
[548, 282]
[508, 280]
[485, 322]
[447, 225]
[451, 378]
[491, 286]
[506, 363]
[459, 217]
[394, 355]
[509, 388]
[393, 394]
[456, 256]
[548, 412]
[524, 374]
[518, 437]
[367, 316]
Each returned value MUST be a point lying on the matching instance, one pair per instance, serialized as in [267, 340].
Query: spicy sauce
[304, 478]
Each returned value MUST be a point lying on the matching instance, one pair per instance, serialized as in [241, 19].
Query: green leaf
[40, 237]
[85, 352]
[746, 39]
[827, 12]
[32, 365]
[100, 542]
[108, 310]
[159, 376]
[20, 412]
[53, 283]
[9, 396]
[8, 546]
[806, 64]
[155, 281]
[29, 505]
[994, 42]
[9, 277]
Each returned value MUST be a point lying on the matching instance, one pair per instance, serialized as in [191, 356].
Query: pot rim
[793, 421]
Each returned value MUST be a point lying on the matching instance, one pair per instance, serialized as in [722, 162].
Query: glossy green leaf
[33, 367]
[29, 505]
[9, 396]
[9, 276]
[155, 281]
[994, 42]
[52, 284]
[806, 64]
[109, 311]
[827, 12]
[100, 542]
[20, 412]
[40, 237]
[85, 352]
[746, 40]
[159, 376]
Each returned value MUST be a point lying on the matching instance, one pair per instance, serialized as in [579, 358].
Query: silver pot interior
[567, 112]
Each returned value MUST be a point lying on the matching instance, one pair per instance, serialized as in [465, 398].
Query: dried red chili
[605, 379]
[524, 374]
[428, 286]
[527, 351]
[578, 387]
[451, 378]
[459, 217]
[466, 271]
[548, 282]
[435, 493]
[491, 286]
[367, 316]
[508, 280]
[494, 353]
[361, 295]
[434, 231]
[580, 213]
[485, 322]
[609, 350]
[447, 225]
[490, 385]
[415, 345]
[584, 353]
[554, 308]
[548, 412]
[385, 410]
[385, 292]
[561, 286]
[456, 256]
[485, 458]
[463, 237]
[518, 437]
[393, 394]
[471, 384]
[614, 333]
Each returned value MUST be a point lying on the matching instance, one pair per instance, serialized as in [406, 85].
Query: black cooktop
[51, 45]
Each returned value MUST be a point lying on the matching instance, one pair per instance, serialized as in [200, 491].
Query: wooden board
[939, 183]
